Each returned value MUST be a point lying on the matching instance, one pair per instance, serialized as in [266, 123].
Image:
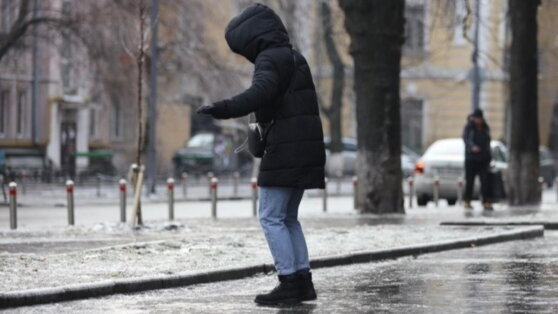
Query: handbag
[257, 135]
[258, 131]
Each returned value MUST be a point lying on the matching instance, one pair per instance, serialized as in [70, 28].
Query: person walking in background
[283, 96]
[477, 158]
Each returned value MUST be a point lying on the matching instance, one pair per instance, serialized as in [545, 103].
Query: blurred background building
[68, 95]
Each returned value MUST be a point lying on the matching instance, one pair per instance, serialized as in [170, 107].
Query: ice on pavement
[189, 246]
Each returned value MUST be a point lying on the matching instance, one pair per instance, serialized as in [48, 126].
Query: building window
[412, 118]
[414, 28]
[6, 16]
[116, 121]
[21, 111]
[4, 105]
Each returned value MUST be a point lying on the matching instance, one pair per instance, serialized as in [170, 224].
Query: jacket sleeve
[264, 89]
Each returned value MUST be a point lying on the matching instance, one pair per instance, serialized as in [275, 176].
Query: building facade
[71, 107]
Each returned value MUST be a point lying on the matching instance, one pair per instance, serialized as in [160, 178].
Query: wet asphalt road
[513, 277]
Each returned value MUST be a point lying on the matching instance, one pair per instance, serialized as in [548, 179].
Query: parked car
[349, 153]
[209, 152]
[547, 168]
[445, 159]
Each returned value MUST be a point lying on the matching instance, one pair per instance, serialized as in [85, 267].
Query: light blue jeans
[279, 221]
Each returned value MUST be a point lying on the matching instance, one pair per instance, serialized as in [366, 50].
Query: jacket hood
[255, 29]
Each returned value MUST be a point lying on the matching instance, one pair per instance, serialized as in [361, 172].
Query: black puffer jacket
[477, 137]
[295, 153]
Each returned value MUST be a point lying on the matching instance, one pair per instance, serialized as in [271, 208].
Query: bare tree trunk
[140, 61]
[376, 31]
[524, 130]
[333, 111]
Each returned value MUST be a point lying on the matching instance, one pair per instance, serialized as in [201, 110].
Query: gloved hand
[206, 109]
[218, 110]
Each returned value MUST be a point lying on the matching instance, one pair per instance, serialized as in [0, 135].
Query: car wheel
[451, 201]
[422, 200]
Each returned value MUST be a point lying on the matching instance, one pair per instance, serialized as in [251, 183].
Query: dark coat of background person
[477, 163]
[475, 137]
[295, 153]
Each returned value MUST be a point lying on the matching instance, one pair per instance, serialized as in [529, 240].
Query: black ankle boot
[306, 287]
[287, 292]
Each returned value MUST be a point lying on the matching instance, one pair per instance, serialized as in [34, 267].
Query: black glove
[206, 109]
[218, 110]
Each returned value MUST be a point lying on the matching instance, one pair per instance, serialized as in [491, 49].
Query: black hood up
[255, 29]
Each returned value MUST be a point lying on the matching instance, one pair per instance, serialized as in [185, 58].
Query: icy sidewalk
[191, 246]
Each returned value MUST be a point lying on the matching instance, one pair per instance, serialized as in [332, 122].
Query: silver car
[350, 151]
[445, 160]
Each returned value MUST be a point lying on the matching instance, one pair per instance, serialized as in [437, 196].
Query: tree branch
[466, 20]
[22, 24]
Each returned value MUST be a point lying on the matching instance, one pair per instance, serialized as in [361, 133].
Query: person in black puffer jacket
[282, 91]
[476, 136]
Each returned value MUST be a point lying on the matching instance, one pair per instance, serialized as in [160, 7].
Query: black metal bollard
[411, 183]
[236, 179]
[13, 205]
[436, 191]
[460, 191]
[254, 184]
[324, 200]
[98, 185]
[70, 198]
[355, 192]
[213, 189]
[122, 188]
[170, 189]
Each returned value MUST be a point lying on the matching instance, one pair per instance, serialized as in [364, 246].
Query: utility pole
[35, 87]
[152, 116]
[476, 71]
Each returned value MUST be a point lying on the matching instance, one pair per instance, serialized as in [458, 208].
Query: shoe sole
[282, 302]
[309, 298]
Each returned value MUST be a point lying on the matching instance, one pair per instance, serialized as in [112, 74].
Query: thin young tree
[138, 174]
[523, 137]
[376, 31]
